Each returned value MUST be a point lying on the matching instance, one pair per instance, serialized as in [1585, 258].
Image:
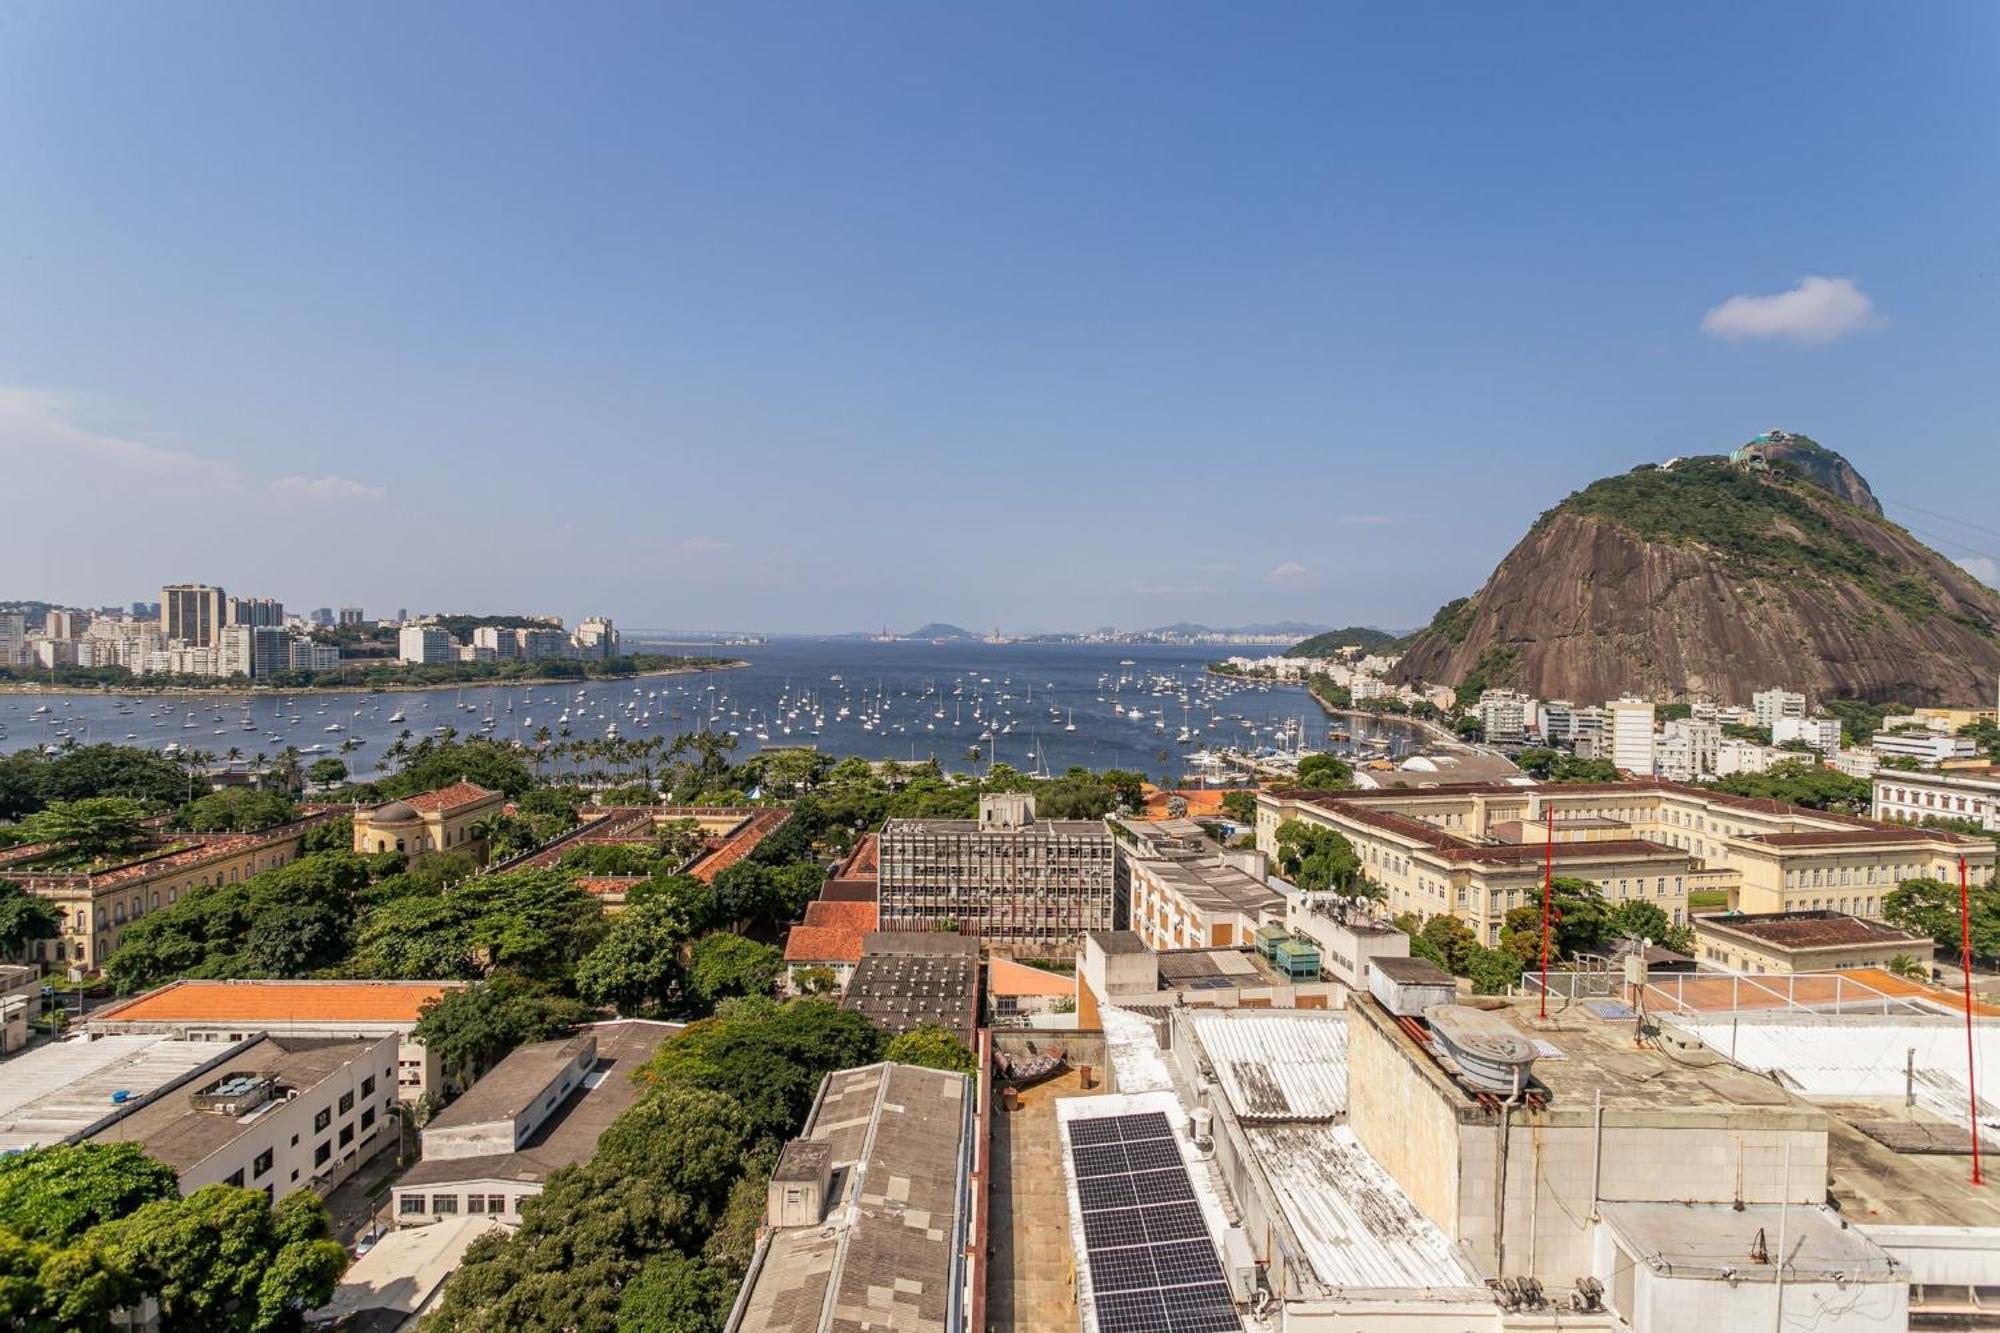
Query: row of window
[447, 1205]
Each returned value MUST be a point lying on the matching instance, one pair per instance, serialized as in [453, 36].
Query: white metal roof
[1859, 1055]
[51, 1092]
[1277, 1065]
[1356, 1225]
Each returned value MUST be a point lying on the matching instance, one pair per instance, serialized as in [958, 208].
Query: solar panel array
[1152, 1266]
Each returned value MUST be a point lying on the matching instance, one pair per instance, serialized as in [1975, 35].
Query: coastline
[230, 687]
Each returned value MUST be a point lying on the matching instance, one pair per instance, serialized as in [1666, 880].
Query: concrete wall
[1943, 1256]
[1654, 1303]
[1397, 1114]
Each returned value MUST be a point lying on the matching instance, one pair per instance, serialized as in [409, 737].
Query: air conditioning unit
[1240, 1262]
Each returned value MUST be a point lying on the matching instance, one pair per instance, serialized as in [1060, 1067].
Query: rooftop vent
[235, 1094]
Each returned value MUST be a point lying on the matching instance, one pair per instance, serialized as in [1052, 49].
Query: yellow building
[96, 908]
[1475, 849]
[445, 820]
[1180, 890]
[1788, 942]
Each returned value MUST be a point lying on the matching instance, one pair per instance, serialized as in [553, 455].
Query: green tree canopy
[1323, 772]
[472, 1029]
[58, 1193]
[932, 1047]
[94, 826]
[236, 810]
[726, 966]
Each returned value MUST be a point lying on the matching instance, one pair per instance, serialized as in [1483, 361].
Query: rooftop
[278, 1002]
[1212, 884]
[1811, 930]
[569, 1135]
[406, 1268]
[1004, 976]
[832, 932]
[172, 1130]
[911, 979]
[59, 1090]
[887, 1255]
[449, 798]
[1119, 941]
[1738, 1243]
[1276, 1065]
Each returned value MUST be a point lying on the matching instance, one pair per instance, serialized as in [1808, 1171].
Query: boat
[396, 716]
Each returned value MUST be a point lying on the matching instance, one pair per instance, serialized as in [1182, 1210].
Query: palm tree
[1907, 967]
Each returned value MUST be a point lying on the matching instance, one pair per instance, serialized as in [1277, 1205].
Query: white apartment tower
[1630, 724]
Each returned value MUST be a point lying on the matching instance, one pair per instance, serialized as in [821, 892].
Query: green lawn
[1708, 900]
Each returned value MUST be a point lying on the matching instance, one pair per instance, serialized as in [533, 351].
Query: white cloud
[35, 423]
[327, 489]
[1817, 310]
[1982, 567]
[706, 546]
[1289, 569]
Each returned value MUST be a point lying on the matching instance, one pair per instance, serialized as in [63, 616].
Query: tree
[1638, 919]
[817, 980]
[327, 772]
[1320, 860]
[1802, 782]
[472, 1029]
[1322, 772]
[30, 780]
[1240, 806]
[676, 1294]
[1493, 971]
[1579, 922]
[638, 962]
[24, 919]
[728, 965]
[235, 810]
[1931, 907]
[932, 1047]
[769, 1057]
[58, 1193]
[94, 827]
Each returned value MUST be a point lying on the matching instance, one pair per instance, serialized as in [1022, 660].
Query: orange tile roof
[448, 798]
[831, 933]
[599, 886]
[280, 1001]
[740, 843]
[1004, 976]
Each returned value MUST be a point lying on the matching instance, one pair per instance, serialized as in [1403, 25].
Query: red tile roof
[831, 933]
[740, 843]
[449, 798]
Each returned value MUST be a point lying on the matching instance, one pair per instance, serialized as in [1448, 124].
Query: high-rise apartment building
[596, 638]
[194, 613]
[1026, 886]
[503, 642]
[424, 645]
[1770, 705]
[256, 611]
[13, 638]
[1630, 727]
[65, 625]
[1503, 716]
[351, 616]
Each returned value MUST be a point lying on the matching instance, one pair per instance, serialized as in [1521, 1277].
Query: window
[368, 1086]
[496, 1203]
[414, 1205]
[443, 1204]
[346, 1135]
[321, 1153]
[323, 1119]
[295, 1140]
[367, 1117]
[262, 1166]
[346, 1102]
[234, 1178]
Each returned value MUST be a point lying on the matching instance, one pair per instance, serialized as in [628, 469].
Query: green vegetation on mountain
[1365, 637]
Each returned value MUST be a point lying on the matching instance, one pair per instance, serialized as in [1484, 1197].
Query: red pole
[1548, 890]
[1965, 962]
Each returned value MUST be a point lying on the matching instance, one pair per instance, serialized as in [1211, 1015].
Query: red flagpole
[1548, 890]
[1965, 963]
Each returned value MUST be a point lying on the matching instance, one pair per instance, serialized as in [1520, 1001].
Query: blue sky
[825, 316]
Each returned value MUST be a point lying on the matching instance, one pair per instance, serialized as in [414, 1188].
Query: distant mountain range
[939, 630]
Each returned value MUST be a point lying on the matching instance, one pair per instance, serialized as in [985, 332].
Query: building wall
[1653, 1303]
[1728, 950]
[448, 1200]
[1031, 889]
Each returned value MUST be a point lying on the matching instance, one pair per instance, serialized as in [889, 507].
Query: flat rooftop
[570, 1135]
[900, 989]
[1811, 930]
[1061, 828]
[1720, 1241]
[278, 1002]
[169, 1128]
[406, 1267]
[53, 1092]
[511, 1086]
[1212, 884]
[886, 1255]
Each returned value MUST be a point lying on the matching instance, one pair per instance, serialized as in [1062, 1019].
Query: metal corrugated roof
[1356, 1225]
[1844, 1056]
[1277, 1066]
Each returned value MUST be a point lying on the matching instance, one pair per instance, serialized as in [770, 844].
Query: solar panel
[1105, 1192]
[1163, 1186]
[1128, 1269]
[1108, 1227]
[1131, 1312]
[1174, 1221]
[1102, 1130]
[1151, 1125]
[1152, 1265]
[1152, 1154]
[1106, 1159]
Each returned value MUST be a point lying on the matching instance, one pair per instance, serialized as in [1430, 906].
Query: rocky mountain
[1718, 577]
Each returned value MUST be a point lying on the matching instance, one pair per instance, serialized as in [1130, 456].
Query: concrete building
[1821, 733]
[1349, 945]
[1808, 941]
[1928, 748]
[276, 1114]
[911, 979]
[445, 820]
[1562, 722]
[402, 1277]
[256, 611]
[231, 1011]
[596, 638]
[502, 643]
[1771, 706]
[829, 939]
[1689, 749]
[1969, 794]
[193, 613]
[424, 645]
[871, 1212]
[13, 638]
[352, 618]
[1629, 733]
[1115, 969]
[1504, 716]
[1734, 756]
[1023, 885]
[302, 654]
[1179, 889]
[542, 1108]
[65, 624]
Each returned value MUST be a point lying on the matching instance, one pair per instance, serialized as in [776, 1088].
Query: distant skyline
[821, 317]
